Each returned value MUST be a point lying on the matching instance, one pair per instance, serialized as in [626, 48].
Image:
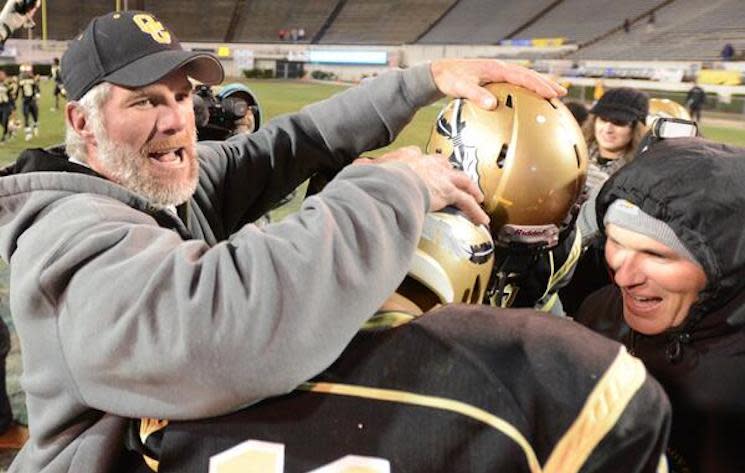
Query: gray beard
[127, 166]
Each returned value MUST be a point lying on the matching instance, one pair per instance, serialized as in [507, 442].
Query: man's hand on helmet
[464, 78]
[446, 185]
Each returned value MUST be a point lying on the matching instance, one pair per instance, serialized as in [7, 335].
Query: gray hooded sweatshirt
[124, 311]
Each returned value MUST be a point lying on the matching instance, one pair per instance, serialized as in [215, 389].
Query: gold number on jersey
[148, 24]
[254, 456]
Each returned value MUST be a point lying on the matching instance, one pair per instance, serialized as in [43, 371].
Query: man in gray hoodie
[139, 287]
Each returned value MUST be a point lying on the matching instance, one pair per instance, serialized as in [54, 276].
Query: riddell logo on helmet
[530, 234]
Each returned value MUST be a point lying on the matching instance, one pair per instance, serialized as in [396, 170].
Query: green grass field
[280, 97]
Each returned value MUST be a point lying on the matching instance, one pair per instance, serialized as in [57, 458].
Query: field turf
[279, 97]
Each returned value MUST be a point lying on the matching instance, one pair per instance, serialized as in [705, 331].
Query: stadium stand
[683, 30]
[384, 21]
[583, 20]
[262, 19]
[481, 22]
[192, 19]
[70, 17]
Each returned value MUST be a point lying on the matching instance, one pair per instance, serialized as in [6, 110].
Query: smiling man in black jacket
[674, 223]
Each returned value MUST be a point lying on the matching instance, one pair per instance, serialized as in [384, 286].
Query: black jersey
[12, 84]
[4, 94]
[461, 389]
[55, 74]
[28, 87]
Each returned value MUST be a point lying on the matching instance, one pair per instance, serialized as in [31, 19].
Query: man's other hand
[464, 78]
[447, 186]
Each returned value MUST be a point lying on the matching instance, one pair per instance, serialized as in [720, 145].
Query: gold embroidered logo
[148, 24]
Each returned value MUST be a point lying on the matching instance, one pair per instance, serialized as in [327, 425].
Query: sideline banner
[719, 77]
[547, 42]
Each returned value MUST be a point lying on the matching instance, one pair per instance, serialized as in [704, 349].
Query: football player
[529, 158]
[13, 123]
[29, 90]
[461, 388]
[59, 88]
[5, 106]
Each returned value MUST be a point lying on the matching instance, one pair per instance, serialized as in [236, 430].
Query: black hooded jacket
[697, 188]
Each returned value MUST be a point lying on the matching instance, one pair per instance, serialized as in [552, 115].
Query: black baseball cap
[131, 49]
[623, 104]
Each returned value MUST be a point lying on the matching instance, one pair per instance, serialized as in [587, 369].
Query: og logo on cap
[148, 24]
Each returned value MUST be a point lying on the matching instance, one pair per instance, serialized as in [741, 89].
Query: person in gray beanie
[672, 220]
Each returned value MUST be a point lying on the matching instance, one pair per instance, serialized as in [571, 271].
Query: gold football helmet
[452, 263]
[528, 157]
[666, 108]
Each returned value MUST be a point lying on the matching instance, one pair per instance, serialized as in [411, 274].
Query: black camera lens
[235, 106]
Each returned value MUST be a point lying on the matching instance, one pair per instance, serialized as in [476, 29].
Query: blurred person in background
[695, 101]
[728, 52]
[59, 89]
[28, 88]
[6, 107]
[613, 132]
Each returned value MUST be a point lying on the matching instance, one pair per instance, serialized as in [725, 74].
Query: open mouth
[640, 303]
[170, 158]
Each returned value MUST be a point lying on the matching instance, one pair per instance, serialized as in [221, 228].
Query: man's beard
[130, 167]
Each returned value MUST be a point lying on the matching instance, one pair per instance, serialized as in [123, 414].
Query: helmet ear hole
[502, 155]
[418, 293]
[508, 102]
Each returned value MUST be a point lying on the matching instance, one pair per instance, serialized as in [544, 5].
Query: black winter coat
[696, 187]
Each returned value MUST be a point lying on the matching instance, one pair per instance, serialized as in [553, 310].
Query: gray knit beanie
[627, 215]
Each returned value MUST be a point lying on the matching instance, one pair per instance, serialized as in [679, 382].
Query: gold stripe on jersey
[662, 465]
[148, 427]
[435, 402]
[571, 261]
[601, 411]
[549, 298]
